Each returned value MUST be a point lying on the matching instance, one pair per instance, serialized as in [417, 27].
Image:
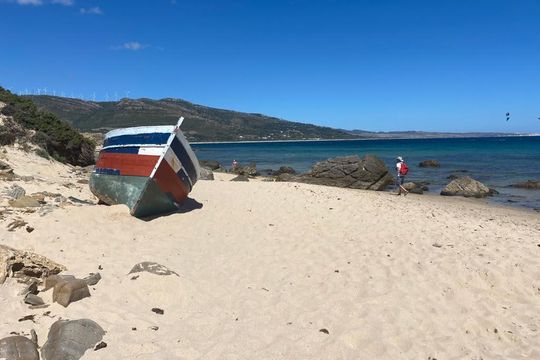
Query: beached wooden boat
[151, 169]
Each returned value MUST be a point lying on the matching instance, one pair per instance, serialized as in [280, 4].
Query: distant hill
[201, 123]
[204, 123]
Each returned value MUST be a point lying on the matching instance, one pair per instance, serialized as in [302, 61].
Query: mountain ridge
[207, 124]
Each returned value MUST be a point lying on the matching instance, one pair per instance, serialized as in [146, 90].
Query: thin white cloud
[131, 46]
[41, 2]
[63, 2]
[29, 2]
[96, 10]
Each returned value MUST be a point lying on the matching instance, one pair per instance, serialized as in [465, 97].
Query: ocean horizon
[498, 162]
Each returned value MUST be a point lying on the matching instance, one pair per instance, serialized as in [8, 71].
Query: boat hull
[146, 168]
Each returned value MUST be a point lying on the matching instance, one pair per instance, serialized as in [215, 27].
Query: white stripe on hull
[140, 130]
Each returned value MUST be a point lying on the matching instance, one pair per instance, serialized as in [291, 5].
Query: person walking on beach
[402, 170]
[234, 164]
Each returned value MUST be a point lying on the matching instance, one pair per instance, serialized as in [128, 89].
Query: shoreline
[359, 139]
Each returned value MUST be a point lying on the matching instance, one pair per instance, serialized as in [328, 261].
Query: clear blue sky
[442, 65]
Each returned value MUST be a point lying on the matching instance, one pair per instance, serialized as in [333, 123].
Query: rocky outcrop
[247, 170]
[206, 174]
[240, 178]
[25, 265]
[368, 173]
[415, 188]
[430, 163]
[284, 170]
[529, 184]
[210, 164]
[467, 187]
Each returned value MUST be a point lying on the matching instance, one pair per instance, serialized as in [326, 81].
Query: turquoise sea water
[496, 161]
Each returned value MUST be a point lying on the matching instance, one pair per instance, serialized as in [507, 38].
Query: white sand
[264, 266]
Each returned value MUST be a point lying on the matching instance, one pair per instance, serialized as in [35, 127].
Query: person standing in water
[402, 170]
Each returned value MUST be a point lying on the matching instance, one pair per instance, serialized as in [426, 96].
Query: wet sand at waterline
[270, 270]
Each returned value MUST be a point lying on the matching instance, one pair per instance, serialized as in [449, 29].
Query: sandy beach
[277, 270]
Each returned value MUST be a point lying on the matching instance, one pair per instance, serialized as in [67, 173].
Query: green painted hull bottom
[141, 194]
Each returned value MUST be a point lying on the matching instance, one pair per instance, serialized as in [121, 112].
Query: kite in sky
[507, 116]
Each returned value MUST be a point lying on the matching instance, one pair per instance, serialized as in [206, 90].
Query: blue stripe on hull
[184, 158]
[123, 150]
[106, 171]
[153, 138]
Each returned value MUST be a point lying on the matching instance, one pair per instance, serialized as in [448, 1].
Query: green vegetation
[58, 138]
[201, 123]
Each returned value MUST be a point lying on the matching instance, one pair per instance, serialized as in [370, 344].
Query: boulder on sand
[429, 163]
[467, 187]
[18, 348]
[70, 339]
[368, 173]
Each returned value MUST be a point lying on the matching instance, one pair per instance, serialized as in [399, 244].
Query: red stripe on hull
[128, 164]
[169, 182]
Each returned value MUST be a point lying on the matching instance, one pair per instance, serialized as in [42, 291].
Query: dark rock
[67, 291]
[70, 339]
[285, 177]
[414, 188]
[34, 300]
[247, 170]
[29, 229]
[206, 174]
[284, 170]
[158, 311]
[4, 165]
[324, 331]
[15, 224]
[18, 348]
[266, 172]
[467, 187]
[429, 163]
[31, 288]
[82, 181]
[369, 173]
[529, 184]
[101, 345]
[210, 164]
[27, 318]
[240, 178]
[493, 192]
[452, 177]
[75, 200]
[92, 279]
[153, 268]
[15, 192]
